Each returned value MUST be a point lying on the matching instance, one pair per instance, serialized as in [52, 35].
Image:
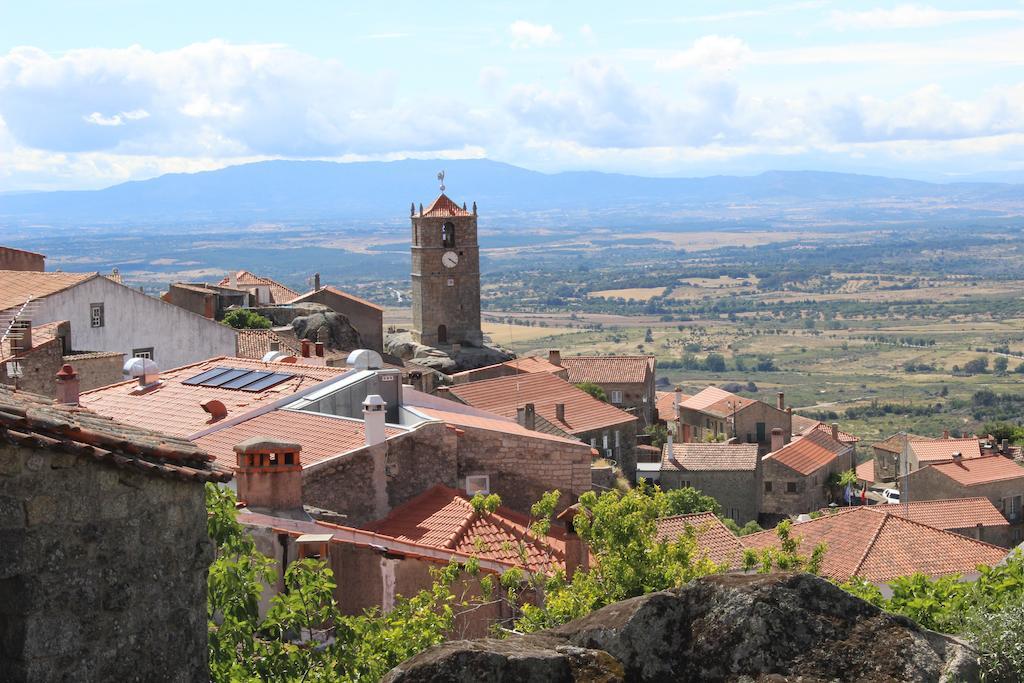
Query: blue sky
[101, 91]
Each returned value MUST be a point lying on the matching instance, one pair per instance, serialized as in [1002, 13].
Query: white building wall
[133, 320]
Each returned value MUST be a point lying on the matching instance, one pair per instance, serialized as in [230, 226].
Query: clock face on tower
[450, 259]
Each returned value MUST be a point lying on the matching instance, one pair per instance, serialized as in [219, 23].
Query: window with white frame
[478, 483]
[616, 397]
[96, 315]
[143, 353]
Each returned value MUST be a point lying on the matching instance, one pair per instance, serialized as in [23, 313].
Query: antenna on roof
[440, 179]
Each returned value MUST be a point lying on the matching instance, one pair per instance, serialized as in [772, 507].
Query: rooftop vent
[145, 369]
[365, 359]
[274, 356]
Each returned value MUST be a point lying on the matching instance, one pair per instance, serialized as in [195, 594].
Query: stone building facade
[367, 318]
[105, 549]
[795, 476]
[729, 473]
[445, 275]
[40, 352]
[18, 259]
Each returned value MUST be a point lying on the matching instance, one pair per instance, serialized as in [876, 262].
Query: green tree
[594, 390]
[1000, 364]
[688, 500]
[715, 362]
[658, 434]
[245, 319]
[976, 366]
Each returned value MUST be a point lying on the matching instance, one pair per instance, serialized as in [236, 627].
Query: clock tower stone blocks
[445, 275]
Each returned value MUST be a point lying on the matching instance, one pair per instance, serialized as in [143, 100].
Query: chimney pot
[374, 416]
[560, 411]
[1004, 446]
[676, 399]
[781, 401]
[945, 433]
[67, 385]
[305, 348]
[530, 417]
[835, 432]
[316, 282]
[777, 439]
[319, 349]
[269, 473]
[555, 357]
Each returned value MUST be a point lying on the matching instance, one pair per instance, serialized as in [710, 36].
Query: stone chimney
[945, 433]
[269, 473]
[67, 385]
[526, 416]
[560, 411]
[21, 337]
[306, 344]
[316, 282]
[1004, 446]
[373, 419]
[780, 402]
[319, 348]
[777, 439]
[677, 399]
[687, 430]
[555, 357]
[835, 432]
[577, 554]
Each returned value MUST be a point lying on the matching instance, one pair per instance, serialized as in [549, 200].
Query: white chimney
[668, 444]
[373, 419]
[675, 399]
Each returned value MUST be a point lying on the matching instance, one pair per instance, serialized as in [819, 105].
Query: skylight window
[238, 378]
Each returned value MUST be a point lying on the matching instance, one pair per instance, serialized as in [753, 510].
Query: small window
[96, 315]
[790, 487]
[618, 438]
[617, 397]
[143, 353]
[767, 487]
[761, 436]
[1012, 506]
[687, 484]
[448, 235]
[478, 483]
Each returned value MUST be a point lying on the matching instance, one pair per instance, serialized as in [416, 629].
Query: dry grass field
[637, 293]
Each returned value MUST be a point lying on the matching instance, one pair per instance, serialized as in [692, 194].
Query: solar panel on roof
[246, 379]
[267, 382]
[226, 377]
[203, 376]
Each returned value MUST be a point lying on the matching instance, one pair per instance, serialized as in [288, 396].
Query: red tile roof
[608, 369]
[982, 470]
[256, 343]
[894, 444]
[175, 408]
[844, 437]
[960, 513]
[443, 207]
[504, 395]
[35, 421]
[713, 538]
[493, 423]
[665, 404]
[872, 543]
[279, 294]
[16, 286]
[321, 436]
[809, 453]
[705, 398]
[337, 292]
[534, 364]
[443, 517]
[866, 471]
[940, 450]
[710, 457]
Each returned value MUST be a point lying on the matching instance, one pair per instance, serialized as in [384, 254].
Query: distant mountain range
[296, 191]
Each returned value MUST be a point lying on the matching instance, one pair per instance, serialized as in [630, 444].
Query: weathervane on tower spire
[440, 179]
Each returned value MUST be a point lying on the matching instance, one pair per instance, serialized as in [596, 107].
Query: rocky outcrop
[339, 333]
[402, 345]
[722, 628]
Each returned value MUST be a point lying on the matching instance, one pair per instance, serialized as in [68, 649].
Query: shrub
[244, 319]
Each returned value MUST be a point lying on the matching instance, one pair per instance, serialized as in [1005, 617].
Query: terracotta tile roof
[665, 404]
[534, 364]
[16, 286]
[256, 343]
[713, 538]
[443, 207]
[175, 408]
[321, 436]
[504, 395]
[516, 366]
[279, 294]
[802, 425]
[844, 437]
[960, 513]
[608, 369]
[940, 450]
[866, 471]
[710, 457]
[35, 421]
[872, 543]
[707, 397]
[337, 292]
[980, 470]
[443, 517]
[894, 444]
[808, 454]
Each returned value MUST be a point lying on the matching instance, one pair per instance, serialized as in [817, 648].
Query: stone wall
[367, 320]
[97, 369]
[811, 492]
[760, 412]
[633, 402]
[102, 573]
[16, 259]
[625, 454]
[736, 491]
[39, 365]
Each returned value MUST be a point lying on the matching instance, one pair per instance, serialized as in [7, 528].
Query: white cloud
[118, 119]
[526, 35]
[915, 16]
[712, 53]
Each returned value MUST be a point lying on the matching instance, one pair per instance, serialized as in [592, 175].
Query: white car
[891, 496]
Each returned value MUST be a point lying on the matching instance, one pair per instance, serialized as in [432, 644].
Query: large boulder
[401, 344]
[730, 627]
[338, 332]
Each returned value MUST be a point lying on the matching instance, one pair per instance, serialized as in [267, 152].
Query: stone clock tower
[445, 274]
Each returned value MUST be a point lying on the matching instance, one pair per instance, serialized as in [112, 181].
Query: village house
[887, 456]
[542, 402]
[975, 518]
[209, 301]
[264, 290]
[413, 440]
[995, 477]
[874, 544]
[366, 317]
[19, 259]
[795, 476]
[713, 414]
[666, 407]
[729, 473]
[516, 366]
[627, 381]
[76, 573]
[714, 540]
[30, 357]
[106, 316]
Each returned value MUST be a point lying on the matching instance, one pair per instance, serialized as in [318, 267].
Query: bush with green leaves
[594, 390]
[245, 319]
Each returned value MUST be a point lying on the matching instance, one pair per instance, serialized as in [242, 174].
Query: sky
[97, 92]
